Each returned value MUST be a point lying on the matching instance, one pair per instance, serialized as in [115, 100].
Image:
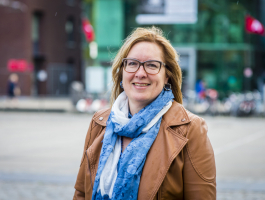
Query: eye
[132, 63]
[152, 65]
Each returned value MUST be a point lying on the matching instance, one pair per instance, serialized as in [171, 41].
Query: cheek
[160, 84]
[126, 78]
[162, 81]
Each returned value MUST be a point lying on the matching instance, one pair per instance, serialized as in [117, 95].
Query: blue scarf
[133, 158]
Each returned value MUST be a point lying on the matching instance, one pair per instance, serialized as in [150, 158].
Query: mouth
[141, 84]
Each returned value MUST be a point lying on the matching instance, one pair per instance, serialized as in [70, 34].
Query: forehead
[143, 51]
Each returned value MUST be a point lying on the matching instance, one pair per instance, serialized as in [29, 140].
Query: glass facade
[223, 49]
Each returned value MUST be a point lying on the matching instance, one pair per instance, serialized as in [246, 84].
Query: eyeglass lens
[151, 67]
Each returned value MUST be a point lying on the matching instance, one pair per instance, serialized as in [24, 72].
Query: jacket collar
[175, 116]
[102, 116]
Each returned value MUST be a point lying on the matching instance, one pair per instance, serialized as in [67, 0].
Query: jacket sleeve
[80, 181]
[199, 172]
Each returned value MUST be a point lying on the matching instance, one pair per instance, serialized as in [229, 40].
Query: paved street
[40, 155]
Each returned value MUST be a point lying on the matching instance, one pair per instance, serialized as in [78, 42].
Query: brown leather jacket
[179, 165]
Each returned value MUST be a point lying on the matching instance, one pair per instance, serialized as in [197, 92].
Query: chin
[142, 100]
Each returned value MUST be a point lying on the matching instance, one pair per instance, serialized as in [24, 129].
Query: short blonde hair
[154, 35]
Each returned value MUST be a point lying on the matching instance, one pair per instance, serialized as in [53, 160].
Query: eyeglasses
[150, 66]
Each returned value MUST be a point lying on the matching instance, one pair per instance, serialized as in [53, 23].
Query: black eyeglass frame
[142, 63]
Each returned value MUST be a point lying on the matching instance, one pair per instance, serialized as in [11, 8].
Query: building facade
[212, 42]
[45, 36]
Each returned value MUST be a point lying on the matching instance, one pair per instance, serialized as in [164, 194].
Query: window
[35, 32]
[69, 28]
[70, 2]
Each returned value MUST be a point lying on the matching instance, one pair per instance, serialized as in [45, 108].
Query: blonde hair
[154, 35]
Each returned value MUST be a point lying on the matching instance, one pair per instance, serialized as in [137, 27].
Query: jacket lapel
[164, 150]
[93, 152]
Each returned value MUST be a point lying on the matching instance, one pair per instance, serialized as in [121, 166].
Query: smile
[141, 84]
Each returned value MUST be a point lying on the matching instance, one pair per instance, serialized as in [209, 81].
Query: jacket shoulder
[102, 111]
[101, 116]
[96, 125]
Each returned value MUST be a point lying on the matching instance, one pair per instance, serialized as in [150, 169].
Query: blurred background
[65, 48]
[55, 63]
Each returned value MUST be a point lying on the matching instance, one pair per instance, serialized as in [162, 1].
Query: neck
[135, 107]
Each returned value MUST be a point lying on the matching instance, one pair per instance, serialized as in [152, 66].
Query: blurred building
[209, 35]
[40, 40]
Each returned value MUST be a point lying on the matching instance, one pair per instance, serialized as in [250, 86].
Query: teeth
[141, 84]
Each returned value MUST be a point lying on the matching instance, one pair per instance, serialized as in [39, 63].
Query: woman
[147, 146]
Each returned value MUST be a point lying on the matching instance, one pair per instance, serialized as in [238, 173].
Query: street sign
[167, 12]
[21, 65]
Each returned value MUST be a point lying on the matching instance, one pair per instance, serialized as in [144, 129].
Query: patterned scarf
[122, 182]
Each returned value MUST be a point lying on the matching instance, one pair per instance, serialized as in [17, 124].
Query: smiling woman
[147, 146]
[142, 87]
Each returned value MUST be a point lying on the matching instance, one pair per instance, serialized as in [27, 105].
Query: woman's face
[140, 87]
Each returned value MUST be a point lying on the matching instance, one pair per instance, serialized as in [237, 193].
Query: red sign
[14, 65]
[254, 26]
[88, 30]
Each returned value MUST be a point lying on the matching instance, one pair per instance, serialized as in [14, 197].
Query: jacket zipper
[89, 170]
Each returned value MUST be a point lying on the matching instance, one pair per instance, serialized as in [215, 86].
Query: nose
[140, 73]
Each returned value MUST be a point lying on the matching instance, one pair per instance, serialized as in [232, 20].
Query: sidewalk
[37, 104]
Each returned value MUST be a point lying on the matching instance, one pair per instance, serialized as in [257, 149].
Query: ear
[166, 76]
[166, 79]
[121, 74]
